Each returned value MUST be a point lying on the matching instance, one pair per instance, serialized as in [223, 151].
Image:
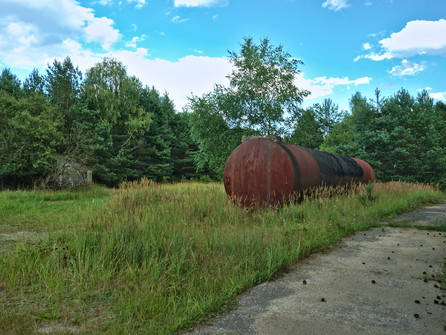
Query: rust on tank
[264, 171]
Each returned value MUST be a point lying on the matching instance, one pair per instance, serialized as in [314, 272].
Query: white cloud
[438, 96]
[336, 5]
[102, 2]
[341, 81]
[135, 39]
[60, 28]
[189, 75]
[407, 69]
[53, 25]
[417, 37]
[139, 3]
[366, 46]
[200, 3]
[368, 3]
[323, 86]
[376, 57]
[98, 30]
[178, 19]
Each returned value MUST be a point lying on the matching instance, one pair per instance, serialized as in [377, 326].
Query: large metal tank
[262, 171]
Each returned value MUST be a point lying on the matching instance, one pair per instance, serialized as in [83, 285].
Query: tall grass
[158, 258]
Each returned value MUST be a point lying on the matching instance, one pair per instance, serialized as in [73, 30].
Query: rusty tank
[265, 171]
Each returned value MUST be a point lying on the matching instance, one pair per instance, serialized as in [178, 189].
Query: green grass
[156, 259]
[35, 210]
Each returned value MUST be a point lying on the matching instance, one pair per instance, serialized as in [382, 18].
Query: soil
[382, 281]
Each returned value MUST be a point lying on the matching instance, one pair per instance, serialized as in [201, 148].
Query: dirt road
[382, 281]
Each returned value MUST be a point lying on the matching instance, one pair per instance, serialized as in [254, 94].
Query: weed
[369, 195]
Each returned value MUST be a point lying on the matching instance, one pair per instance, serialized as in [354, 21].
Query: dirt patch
[382, 281]
[9, 240]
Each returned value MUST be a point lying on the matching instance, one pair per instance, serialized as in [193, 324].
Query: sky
[181, 46]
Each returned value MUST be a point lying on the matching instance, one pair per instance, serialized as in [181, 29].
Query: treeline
[107, 121]
[122, 130]
[402, 137]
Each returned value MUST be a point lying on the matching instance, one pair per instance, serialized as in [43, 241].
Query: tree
[30, 133]
[34, 83]
[400, 137]
[10, 83]
[183, 149]
[153, 153]
[341, 139]
[260, 94]
[62, 84]
[261, 85]
[328, 115]
[215, 139]
[307, 130]
[115, 97]
[62, 87]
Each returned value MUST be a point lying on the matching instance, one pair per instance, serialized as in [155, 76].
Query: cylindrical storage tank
[262, 172]
[369, 174]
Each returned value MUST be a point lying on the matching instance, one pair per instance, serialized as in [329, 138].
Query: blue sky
[180, 46]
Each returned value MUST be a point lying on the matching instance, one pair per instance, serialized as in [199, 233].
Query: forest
[124, 131]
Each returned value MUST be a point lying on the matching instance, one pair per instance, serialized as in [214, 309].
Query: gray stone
[72, 173]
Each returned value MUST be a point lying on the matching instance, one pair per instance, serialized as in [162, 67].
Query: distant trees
[30, 133]
[123, 130]
[10, 83]
[402, 137]
[213, 132]
[308, 131]
[108, 121]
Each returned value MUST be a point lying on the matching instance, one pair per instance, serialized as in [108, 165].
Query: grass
[157, 259]
[36, 210]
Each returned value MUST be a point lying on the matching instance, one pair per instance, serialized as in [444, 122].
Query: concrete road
[382, 281]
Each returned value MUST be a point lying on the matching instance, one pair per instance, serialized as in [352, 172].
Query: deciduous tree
[262, 85]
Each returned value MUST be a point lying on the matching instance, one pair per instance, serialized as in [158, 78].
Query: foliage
[115, 96]
[308, 131]
[10, 83]
[109, 122]
[215, 139]
[261, 85]
[261, 91]
[402, 137]
[328, 115]
[122, 131]
[30, 132]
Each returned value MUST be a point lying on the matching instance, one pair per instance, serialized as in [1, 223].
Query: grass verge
[156, 259]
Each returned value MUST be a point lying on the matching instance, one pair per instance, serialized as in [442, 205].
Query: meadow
[159, 258]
